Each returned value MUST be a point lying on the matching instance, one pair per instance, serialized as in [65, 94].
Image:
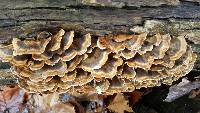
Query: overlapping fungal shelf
[69, 62]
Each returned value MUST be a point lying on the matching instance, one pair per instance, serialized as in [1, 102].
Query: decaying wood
[24, 19]
[6, 78]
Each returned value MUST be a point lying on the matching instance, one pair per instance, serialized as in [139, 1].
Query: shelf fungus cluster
[70, 62]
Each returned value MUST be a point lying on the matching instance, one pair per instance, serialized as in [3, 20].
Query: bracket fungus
[67, 61]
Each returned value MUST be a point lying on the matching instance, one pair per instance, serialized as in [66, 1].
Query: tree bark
[25, 19]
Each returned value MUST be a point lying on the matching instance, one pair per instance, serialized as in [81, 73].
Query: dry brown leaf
[68, 98]
[47, 100]
[59, 108]
[194, 93]
[11, 99]
[50, 103]
[96, 104]
[119, 104]
[135, 96]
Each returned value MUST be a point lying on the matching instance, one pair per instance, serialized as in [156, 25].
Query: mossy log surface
[25, 19]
